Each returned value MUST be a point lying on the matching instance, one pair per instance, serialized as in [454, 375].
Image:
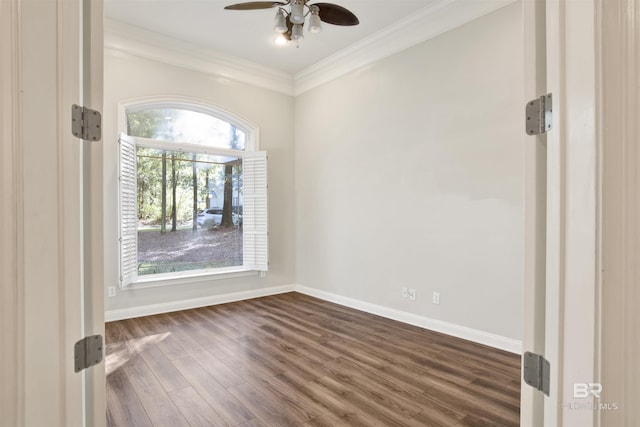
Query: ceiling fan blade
[336, 15]
[255, 5]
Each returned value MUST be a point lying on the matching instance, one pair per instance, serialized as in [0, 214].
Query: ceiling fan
[289, 23]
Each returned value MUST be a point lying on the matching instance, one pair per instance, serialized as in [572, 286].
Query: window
[193, 195]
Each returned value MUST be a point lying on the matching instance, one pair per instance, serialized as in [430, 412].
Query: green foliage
[150, 184]
[163, 124]
[144, 123]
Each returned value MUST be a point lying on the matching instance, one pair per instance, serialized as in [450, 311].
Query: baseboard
[167, 307]
[481, 337]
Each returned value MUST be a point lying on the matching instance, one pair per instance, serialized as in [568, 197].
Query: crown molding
[429, 22]
[132, 40]
[435, 19]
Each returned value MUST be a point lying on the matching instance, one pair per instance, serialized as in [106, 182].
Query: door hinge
[539, 115]
[86, 123]
[88, 352]
[536, 371]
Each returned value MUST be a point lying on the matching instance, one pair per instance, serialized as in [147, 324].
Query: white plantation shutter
[254, 211]
[128, 211]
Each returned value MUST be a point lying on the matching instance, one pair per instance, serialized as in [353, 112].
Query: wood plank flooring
[293, 360]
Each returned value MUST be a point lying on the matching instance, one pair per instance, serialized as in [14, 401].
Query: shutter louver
[128, 211]
[254, 211]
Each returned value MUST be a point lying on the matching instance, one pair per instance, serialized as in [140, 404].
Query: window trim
[196, 276]
[187, 147]
[251, 149]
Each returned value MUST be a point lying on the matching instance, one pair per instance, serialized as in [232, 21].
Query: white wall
[409, 173]
[129, 77]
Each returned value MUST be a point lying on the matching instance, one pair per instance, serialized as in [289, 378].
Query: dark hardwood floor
[293, 360]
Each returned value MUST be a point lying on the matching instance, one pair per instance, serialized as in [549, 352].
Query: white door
[93, 242]
[56, 239]
[535, 204]
[561, 266]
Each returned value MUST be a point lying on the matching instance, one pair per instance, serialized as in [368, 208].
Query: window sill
[173, 279]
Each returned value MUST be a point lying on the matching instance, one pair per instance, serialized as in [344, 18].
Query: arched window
[181, 124]
[192, 193]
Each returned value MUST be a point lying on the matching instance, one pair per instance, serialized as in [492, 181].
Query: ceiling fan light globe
[297, 33]
[280, 23]
[297, 12]
[315, 24]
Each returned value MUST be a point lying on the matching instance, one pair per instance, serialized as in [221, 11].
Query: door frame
[573, 244]
[620, 212]
[11, 297]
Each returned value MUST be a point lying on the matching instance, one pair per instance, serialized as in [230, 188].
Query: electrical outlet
[263, 274]
[412, 294]
[436, 297]
[405, 293]
[112, 291]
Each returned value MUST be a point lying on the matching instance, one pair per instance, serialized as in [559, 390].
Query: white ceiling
[249, 34]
